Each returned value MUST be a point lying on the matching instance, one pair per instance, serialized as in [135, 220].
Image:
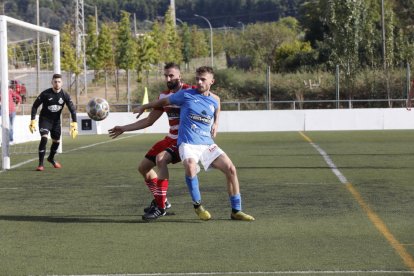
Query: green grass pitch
[85, 219]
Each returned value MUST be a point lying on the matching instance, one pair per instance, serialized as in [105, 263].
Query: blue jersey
[196, 116]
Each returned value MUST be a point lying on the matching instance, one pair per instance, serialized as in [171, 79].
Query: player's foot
[40, 168]
[154, 204]
[54, 163]
[154, 213]
[202, 213]
[241, 216]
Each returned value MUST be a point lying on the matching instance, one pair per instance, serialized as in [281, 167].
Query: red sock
[161, 193]
[152, 185]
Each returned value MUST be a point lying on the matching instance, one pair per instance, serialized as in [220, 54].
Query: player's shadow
[87, 219]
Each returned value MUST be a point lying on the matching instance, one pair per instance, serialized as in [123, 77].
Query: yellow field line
[375, 219]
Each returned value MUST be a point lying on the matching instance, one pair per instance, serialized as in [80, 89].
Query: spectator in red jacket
[14, 102]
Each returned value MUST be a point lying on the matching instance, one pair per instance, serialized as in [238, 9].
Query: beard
[174, 84]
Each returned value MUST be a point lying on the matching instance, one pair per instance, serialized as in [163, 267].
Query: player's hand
[115, 132]
[138, 110]
[32, 126]
[73, 129]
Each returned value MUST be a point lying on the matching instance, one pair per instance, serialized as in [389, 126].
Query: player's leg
[160, 194]
[44, 127]
[147, 165]
[145, 168]
[55, 134]
[162, 160]
[224, 164]
[190, 155]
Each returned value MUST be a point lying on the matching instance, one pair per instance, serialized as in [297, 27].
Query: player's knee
[161, 161]
[142, 170]
[232, 169]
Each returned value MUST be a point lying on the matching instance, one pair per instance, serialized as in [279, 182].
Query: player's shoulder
[215, 96]
[45, 92]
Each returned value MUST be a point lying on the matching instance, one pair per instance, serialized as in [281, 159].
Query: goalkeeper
[52, 100]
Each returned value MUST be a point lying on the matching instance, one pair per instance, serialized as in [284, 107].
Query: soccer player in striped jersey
[198, 126]
[162, 152]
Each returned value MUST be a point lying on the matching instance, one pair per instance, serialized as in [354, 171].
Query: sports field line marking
[330, 272]
[75, 149]
[375, 219]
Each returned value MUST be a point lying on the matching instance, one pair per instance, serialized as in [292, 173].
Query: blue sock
[235, 202]
[192, 184]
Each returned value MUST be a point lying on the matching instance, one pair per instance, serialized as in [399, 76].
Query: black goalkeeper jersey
[52, 105]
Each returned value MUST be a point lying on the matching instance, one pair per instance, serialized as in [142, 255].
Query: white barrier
[251, 121]
[286, 120]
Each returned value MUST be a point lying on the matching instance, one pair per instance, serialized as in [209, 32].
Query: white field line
[75, 149]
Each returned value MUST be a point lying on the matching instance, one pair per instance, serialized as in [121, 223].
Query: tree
[171, 42]
[125, 50]
[105, 56]
[92, 44]
[68, 53]
[186, 46]
[344, 20]
[261, 40]
[200, 47]
[147, 54]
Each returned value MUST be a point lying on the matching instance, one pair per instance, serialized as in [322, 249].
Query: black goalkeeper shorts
[53, 126]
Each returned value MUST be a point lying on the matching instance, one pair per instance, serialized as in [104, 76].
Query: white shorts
[205, 154]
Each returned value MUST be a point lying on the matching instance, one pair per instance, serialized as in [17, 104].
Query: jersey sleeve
[35, 106]
[177, 98]
[71, 106]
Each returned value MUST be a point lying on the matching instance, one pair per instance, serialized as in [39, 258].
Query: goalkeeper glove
[32, 126]
[73, 129]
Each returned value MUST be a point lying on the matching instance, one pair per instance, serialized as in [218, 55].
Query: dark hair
[56, 76]
[205, 69]
[170, 65]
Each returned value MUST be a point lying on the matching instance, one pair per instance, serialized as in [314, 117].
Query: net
[29, 55]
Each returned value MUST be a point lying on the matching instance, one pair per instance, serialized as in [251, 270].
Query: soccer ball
[97, 109]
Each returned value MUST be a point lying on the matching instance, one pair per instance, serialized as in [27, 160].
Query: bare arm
[153, 116]
[159, 103]
[214, 127]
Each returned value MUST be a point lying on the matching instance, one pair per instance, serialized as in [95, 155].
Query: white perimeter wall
[250, 121]
[281, 120]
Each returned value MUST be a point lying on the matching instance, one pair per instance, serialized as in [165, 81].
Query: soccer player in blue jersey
[198, 127]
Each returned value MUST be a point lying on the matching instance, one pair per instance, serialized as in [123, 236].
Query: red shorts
[169, 145]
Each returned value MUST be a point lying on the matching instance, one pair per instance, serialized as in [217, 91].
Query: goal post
[4, 75]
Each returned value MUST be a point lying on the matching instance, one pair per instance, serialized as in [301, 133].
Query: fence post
[408, 79]
[337, 86]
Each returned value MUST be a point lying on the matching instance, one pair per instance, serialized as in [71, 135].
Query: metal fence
[25, 109]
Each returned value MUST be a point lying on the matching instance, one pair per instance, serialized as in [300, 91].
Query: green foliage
[68, 59]
[92, 44]
[291, 56]
[125, 50]
[106, 50]
[171, 47]
[200, 46]
[186, 40]
[147, 55]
